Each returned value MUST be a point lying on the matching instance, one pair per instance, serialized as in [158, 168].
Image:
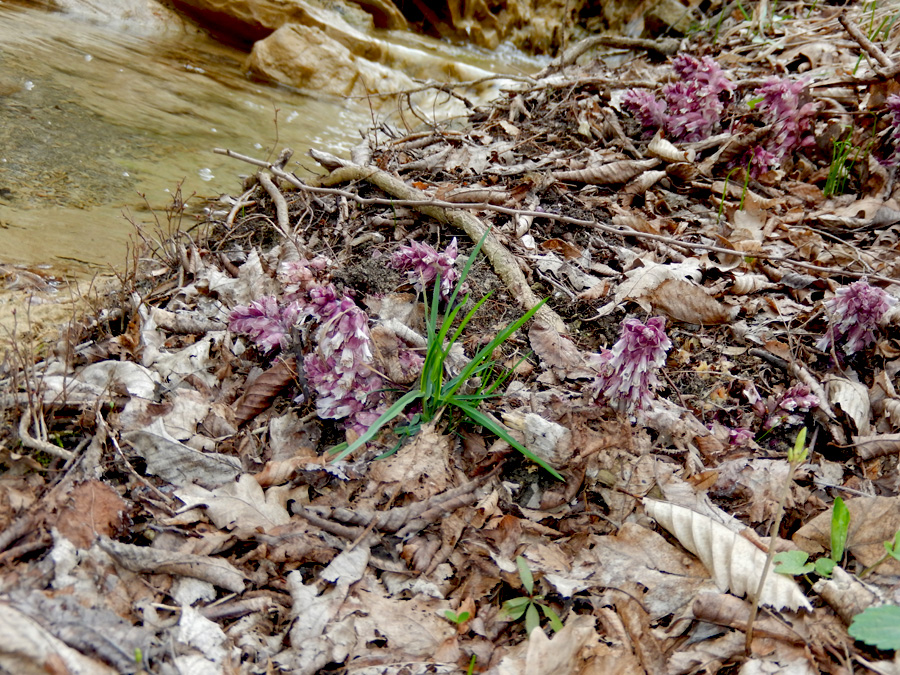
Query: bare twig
[281, 208]
[40, 445]
[867, 45]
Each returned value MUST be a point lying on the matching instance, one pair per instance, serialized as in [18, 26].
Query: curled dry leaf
[548, 440]
[745, 284]
[643, 182]
[604, 174]
[734, 563]
[265, 388]
[853, 399]
[687, 302]
[666, 150]
[557, 351]
[683, 171]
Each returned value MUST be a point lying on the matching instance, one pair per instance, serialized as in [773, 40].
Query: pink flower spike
[627, 372]
[854, 313]
[268, 324]
[423, 264]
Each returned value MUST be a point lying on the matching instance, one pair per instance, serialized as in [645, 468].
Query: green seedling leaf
[798, 453]
[893, 547]
[515, 608]
[532, 619]
[555, 622]
[753, 102]
[825, 566]
[453, 617]
[792, 563]
[525, 575]
[878, 626]
[840, 526]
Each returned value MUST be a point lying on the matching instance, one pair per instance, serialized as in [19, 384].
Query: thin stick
[867, 45]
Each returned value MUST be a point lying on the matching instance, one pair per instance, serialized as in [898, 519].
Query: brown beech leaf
[604, 174]
[564, 248]
[643, 182]
[687, 302]
[733, 562]
[265, 388]
[93, 509]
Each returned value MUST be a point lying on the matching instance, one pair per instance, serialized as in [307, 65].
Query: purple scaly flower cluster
[340, 368]
[692, 107]
[786, 408]
[266, 321]
[854, 313]
[626, 374]
[423, 264]
[780, 106]
[893, 104]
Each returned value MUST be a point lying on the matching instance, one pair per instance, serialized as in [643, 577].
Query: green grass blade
[468, 266]
[488, 349]
[468, 316]
[481, 419]
[402, 403]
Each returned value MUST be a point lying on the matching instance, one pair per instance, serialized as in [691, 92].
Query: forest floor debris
[720, 276]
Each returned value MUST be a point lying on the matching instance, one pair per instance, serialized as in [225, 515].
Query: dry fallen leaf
[687, 302]
[734, 563]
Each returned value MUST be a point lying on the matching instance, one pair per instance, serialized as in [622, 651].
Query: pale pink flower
[267, 322]
[627, 373]
[791, 121]
[854, 313]
[423, 264]
[692, 107]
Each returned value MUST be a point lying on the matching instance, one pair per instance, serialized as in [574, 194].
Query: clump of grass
[436, 392]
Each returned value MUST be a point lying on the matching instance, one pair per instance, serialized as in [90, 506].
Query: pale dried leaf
[557, 351]
[666, 150]
[241, 504]
[559, 655]
[734, 563]
[178, 464]
[745, 284]
[421, 466]
[853, 399]
[643, 182]
[642, 280]
[548, 440]
[27, 648]
[877, 445]
[605, 174]
[687, 302]
[154, 561]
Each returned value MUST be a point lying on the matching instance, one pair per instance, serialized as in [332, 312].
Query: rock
[305, 57]
[252, 20]
[336, 59]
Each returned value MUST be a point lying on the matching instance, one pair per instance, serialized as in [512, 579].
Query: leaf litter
[170, 503]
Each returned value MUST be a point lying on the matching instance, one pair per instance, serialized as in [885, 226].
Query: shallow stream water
[97, 126]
